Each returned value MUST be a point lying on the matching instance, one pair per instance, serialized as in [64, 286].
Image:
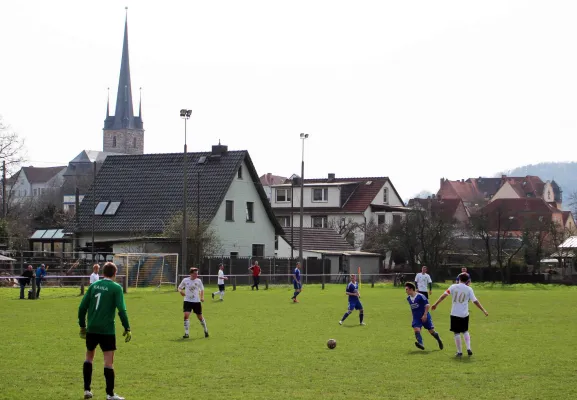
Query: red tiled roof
[516, 214]
[566, 215]
[475, 189]
[41, 175]
[319, 239]
[446, 208]
[270, 179]
[464, 190]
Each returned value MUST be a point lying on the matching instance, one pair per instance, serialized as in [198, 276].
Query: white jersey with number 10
[461, 295]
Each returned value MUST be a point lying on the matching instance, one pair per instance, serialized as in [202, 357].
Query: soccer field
[262, 346]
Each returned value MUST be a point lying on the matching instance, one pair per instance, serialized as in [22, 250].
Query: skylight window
[112, 208]
[99, 210]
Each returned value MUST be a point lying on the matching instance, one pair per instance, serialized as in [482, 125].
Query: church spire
[108, 103]
[124, 114]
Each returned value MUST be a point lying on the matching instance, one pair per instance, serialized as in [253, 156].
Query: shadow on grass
[190, 339]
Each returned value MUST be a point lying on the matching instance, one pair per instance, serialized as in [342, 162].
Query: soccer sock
[87, 372]
[296, 294]
[222, 295]
[345, 316]
[361, 316]
[419, 337]
[436, 336]
[109, 376]
[203, 323]
[186, 326]
[458, 342]
[467, 340]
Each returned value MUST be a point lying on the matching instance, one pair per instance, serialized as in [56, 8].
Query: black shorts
[426, 294]
[221, 288]
[106, 342]
[190, 306]
[459, 324]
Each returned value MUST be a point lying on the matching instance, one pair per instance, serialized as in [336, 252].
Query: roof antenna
[219, 142]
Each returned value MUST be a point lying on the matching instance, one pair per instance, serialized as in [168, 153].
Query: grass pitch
[262, 346]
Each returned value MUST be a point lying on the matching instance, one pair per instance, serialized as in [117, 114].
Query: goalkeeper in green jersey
[101, 301]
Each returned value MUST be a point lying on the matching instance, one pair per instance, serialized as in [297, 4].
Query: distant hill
[564, 173]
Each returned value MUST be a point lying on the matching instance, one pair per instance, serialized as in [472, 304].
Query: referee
[101, 301]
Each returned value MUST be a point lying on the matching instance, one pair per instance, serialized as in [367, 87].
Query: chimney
[442, 181]
[331, 177]
[219, 150]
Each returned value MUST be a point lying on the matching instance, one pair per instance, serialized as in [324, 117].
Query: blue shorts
[355, 305]
[428, 324]
[297, 285]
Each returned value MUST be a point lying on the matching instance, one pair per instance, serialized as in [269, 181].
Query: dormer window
[239, 173]
[320, 195]
[283, 195]
[386, 195]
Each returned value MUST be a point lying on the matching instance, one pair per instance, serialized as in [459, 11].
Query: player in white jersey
[221, 279]
[461, 294]
[192, 289]
[94, 276]
[423, 282]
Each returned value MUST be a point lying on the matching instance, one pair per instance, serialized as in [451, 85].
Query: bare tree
[558, 234]
[346, 227]
[12, 146]
[573, 203]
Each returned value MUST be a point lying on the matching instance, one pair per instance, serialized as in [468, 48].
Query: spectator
[40, 274]
[94, 276]
[255, 275]
[25, 280]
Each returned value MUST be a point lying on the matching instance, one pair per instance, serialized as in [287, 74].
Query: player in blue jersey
[297, 282]
[421, 318]
[354, 300]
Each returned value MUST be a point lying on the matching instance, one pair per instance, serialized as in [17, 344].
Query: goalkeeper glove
[82, 333]
[128, 335]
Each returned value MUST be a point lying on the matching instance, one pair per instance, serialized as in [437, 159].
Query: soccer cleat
[340, 322]
[470, 353]
[459, 355]
[363, 324]
[419, 346]
[440, 344]
[213, 296]
[87, 394]
[206, 334]
[185, 336]
[114, 397]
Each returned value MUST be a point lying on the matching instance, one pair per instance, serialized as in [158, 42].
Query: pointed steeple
[140, 105]
[108, 104]
[124, 114]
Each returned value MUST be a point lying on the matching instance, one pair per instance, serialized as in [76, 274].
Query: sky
[412, 90]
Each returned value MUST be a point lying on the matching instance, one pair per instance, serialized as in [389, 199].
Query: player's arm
[121, 306]
[480, 307]
[181, 288]
[201, 292]
[427, 308]
[440, 299]
[83, 308]
[430, 283]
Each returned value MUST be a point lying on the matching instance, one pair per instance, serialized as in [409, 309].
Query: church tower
[123, 132]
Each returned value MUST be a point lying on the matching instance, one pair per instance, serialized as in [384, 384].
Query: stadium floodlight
[184, 114]
[303, 137]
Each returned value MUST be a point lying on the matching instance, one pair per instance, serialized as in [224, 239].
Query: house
[79, 175]
[34, 182]
[135, 196]
[327, 244]
[268, 180]
[476, 192]
[343, 204]
[448, 209]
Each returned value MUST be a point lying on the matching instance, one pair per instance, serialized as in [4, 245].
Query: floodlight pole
[93, 204]
[303, 137]
[185, 114]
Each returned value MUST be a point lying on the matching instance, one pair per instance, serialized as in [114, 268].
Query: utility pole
[4, 189]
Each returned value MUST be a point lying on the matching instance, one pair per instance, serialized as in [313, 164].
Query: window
[249, 211]
[380, 219]
[319, 221]
[35, 192]
[42, 191]
[71, 208]
[239, 173]
[134, 143]
[229, 211]
[100, 207]
[386, 195]
[234, 254]
[276, 242]
[320, 194]
[285, 222]
[113, 141]
[283, 195]
[397, 219]
[258, 250]
[112, 208]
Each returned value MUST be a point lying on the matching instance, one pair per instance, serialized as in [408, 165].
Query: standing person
[192, 289]
[297, 282]
[94, 276]
[101, 301]
[40, 275]
[255, 275]
[354, 296]
[464, 271]
[221, 279]
[25, 280]
[461, 294]
[421, 317]
[423, 282]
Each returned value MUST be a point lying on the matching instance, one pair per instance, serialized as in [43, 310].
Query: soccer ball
[331, 343]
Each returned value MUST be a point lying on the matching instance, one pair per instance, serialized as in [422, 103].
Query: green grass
[262, 346]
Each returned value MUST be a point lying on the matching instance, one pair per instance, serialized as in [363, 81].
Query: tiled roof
[517, 214]
[150, 187]
[318, 239]
[566, 216]
[41, 175]
[446, 208]
[357, 196]
[270, 179]
[464, 190]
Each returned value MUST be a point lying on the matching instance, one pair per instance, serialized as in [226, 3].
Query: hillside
[564, 173]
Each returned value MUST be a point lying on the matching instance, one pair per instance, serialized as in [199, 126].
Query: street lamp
[184, 114]
[303, 137]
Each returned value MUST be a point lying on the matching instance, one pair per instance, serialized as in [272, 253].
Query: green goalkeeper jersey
[101, 301]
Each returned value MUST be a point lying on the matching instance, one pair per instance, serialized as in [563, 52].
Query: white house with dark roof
[136, 195]
[33, 182]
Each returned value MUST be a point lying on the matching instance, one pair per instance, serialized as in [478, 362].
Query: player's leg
[109, 366]
[38, 285]
[257, 281]
[91, 344]
[359, 307]
[437, 337]
[456, 329]
[187, 309]
[417, 330]
[198, 311]
[349, 311]
[466, 335]
[221, 288]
